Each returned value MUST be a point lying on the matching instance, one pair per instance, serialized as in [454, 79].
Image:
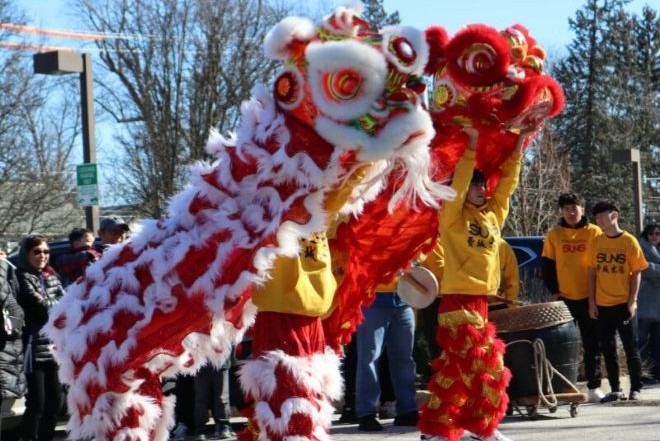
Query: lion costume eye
[288, 89]
[403, 50]
[406, 49]
[345, 77]
[342, 85]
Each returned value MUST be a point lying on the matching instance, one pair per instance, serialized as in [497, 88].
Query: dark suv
[528, 251]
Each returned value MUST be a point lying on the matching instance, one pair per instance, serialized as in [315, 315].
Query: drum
[418, 287]
[553, 324]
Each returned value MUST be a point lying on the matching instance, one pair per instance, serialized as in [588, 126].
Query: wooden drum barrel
[520, 327]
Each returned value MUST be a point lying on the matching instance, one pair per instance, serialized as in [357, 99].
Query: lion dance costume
[344, 129]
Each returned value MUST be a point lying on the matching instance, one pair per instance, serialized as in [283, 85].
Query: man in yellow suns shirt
[615, 265]
[565, 266]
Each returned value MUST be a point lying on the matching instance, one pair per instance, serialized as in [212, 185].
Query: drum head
[418, 288]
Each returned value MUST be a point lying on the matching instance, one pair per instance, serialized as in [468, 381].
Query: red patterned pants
[468, 388]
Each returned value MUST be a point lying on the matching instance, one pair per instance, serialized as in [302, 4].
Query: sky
[547, 21]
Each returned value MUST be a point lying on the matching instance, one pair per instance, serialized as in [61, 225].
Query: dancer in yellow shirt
[468, 390]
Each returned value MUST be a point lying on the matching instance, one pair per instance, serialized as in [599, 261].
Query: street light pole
[88, 137]
[632, 156]
[63, 62]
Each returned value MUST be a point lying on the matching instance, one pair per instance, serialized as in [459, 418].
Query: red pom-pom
[479, 55]
[436, 38]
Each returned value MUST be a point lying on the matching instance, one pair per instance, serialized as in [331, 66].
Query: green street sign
[88, 188]
[86, 174]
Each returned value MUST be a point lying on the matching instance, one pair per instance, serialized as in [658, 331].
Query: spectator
[184, 408]
[40, 289]
[509, 279]
[113, 230]
[387, 408]
[470, 226]
[72, 265]
[12, 377]
[387, 321]
[565, 266]
[648, 303]
[211, 391]
[616, 262]
[348, 372]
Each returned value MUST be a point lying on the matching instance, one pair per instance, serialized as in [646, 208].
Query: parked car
[528, 251]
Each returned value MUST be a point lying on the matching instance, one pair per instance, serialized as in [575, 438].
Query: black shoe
[369, 423]
[348, 416]
[407, 419]
[613, 396]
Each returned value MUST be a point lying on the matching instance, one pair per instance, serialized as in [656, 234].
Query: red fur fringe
[436, 38]
[473, 354]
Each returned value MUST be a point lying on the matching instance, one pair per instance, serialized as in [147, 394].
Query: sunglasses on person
[38, 251]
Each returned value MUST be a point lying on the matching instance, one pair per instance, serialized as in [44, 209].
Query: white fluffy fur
[279, 38]
[412, 132]
[339, 55]
[318, 373]
[344, 16]
[174, 237]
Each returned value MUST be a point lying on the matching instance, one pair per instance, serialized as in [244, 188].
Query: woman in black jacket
[12, 378]
[40, 289]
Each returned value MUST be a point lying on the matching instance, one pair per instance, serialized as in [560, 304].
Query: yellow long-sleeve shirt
[470, 234]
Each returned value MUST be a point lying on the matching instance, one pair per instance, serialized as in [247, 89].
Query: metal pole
[88, 138]
[637, 190]
[633, 157]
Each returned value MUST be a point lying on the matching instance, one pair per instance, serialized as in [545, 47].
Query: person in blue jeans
[391, 322]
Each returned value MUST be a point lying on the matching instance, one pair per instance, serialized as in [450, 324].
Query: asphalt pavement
[618, 421]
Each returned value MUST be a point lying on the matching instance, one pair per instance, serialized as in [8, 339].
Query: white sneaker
[433, 438]
[595, 395]
[497, 436]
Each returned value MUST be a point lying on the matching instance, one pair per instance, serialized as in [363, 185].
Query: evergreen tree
[374, 13]
[610, 81]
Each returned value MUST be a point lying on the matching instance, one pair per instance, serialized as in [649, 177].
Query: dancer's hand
[473, 134]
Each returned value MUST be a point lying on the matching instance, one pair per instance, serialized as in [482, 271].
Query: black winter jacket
[39, 291]
[12, 378]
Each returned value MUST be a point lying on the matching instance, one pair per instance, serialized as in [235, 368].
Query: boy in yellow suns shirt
[615, 265]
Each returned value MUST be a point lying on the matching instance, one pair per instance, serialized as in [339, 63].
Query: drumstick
[508, 301]
[414, 283]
